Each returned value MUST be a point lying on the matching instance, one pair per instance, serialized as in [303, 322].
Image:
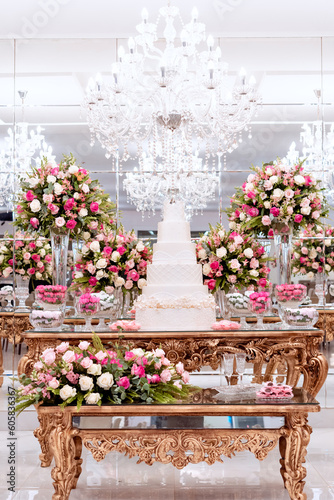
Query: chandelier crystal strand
[177, 96]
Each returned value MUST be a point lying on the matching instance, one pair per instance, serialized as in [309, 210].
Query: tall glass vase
[21, 292]
[59, 245]
[283, 241]
[127, 299]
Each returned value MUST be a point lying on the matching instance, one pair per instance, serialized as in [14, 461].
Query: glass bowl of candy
[237, 304]
[88, 306]
[259, 304]
[290, 295]
[42, 319]
[302, 317]
[51, 297]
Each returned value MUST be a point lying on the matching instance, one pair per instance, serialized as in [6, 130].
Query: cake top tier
[173, 211]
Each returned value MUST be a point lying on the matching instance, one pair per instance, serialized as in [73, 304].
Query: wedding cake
[175, 298]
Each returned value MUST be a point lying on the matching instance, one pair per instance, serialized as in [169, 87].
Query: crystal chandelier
[23, 145]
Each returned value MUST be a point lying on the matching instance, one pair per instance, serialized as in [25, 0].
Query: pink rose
[179, 368]
[69, 357]
[48, 356]
[93, 225]
[69, 204]
[304, 251]
[86, 362]
[274, 211]
[128, 285]
[71, 224]
[232, 279]
[133, 275]
[92, 281]
[31, 271]
[214, 265]
[48, 258]
[138, 370]
[251, 194]
[60, 221]
[101, 355]
[253, 212]
[30, 196]
[155, 379]
[289, 193]
[211, 284]
[235, 264]
[36, 257]
[123, 382]
[185, 377]
[34, 222]
[262, 282]
[113, 269]
[266, 221]
[48, 198]
[298, 218]
[53, 208]
[315, 214]
[62, 347]
[94, 207]
[83, 345]
[53, 383]
[165, 376]
[26, 256]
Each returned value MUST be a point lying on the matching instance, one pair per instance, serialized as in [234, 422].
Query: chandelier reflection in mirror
[317, 139]
[24, 145]
[164, 95]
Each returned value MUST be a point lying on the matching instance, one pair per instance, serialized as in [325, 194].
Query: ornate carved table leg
[293, 451]
[315, 371]
[66, 446]
[46, 425]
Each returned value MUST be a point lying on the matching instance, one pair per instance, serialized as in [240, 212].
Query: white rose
[267, 204]
[248, 253]
[242, 216]
[249, 187]
[141, 283]
[73, 169]
[39, 276]
[327, 267]
[86, 235]
[221, 234]
[35, 205]
[1, 258]
[115, 256]
[254, 273]
[119, 281]
[84, 249]
[313, 253]
[327, 243]
[94, 369]
[51, 179]
[263, 196]
[95, 246]
[76, 196]
[85, 188]
[296, 255]
[206, 269]
[40, 264]
[310, 275]
[140, 246]
[33, 182]
[67, 392]
[202, 254]
[305, 210]
[299, 180]
[99, 275]
[138, 352]
[42, 252]
[221, 252]
[278, 193]
[83, 212]
[39, 244]
[269, 171]
[78, 275]
[232, 225]
[86, 383]
[101, 264]
[93, 398]
[57, 188]
[49, 269]
[47, 246]
[274, 179]
[105, 381]
[250, 178]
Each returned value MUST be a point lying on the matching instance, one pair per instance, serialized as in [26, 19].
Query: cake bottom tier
[172, 320]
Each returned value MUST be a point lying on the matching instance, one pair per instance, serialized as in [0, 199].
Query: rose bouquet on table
[91, 374]
[30, 258]
[314, 253]
[61, 196]
[230, 258]
[111, 261]
[274, 195]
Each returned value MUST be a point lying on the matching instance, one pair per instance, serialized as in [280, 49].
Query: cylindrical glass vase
[59, 245]
[21, 292]
[283, 242]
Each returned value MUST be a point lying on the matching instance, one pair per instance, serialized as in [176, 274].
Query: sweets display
[45, 320]
[88, 304]
[290, 295]
[225, 325]
[50, 296]
[301, 317]
[259, 302]
[270, 390]
[175, 297]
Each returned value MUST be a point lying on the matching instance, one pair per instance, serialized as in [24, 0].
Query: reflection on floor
[120, 478]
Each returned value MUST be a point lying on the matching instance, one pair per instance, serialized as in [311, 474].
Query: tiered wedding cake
[175, 297]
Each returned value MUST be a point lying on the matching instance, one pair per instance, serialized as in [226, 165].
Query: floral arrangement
[230, 258]
[123, 324]
[62, 196]
[276, 194]
[94, 375]
[259, 302]
[31, 258]
[88, 303]
[314, 256]
[112, 260]
[225, 325]
[275, 391]
[51, 294]
[290, 295]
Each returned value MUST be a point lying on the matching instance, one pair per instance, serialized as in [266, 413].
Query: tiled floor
[120, 478]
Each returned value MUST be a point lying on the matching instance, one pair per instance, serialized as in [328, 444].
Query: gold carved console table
[292, 353]
[61, 436]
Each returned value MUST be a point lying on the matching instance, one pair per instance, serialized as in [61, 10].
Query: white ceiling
[112, 18]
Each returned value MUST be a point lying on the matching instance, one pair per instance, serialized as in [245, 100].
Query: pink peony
[48, 356]
[94, 207]
[34, 222]
[266, 221]
[124, 382]
[253, 212]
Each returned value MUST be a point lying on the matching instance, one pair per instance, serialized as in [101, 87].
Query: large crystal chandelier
[168, 93]
[23, 147]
